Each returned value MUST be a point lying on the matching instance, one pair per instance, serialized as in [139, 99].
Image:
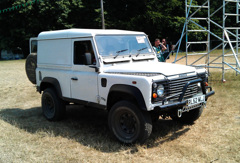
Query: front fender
[130, 90]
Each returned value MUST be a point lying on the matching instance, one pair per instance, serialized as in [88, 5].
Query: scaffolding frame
[230, 36]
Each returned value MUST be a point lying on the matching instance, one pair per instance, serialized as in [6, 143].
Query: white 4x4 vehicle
[115, 70]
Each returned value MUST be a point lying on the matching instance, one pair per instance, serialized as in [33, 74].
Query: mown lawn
[83, 136]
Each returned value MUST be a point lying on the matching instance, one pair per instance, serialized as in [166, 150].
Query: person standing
[165, 54]
[159, 49]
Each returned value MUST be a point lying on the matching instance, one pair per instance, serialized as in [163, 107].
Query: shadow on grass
[87, 126]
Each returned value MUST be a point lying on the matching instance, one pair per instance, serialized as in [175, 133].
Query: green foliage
[17, 26]
[157, 18]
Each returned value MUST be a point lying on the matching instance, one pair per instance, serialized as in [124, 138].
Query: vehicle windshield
[123, 45]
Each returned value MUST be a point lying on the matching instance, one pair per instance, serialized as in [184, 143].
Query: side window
[34, 46]
[83, 53]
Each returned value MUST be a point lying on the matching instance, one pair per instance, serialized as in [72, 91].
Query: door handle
[74, 78]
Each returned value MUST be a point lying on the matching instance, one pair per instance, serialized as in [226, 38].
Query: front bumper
[181, 103]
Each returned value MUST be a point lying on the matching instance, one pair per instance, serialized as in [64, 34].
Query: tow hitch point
[179, 113]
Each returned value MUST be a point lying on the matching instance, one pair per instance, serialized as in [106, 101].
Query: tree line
[157, 18]
[19, 6]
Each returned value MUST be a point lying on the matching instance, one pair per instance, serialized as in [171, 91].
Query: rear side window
[34, 46]
[83, 53]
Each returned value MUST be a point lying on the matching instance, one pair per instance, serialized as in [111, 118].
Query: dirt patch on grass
[83, 136]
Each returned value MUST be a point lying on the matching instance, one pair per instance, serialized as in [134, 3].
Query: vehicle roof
[74, 33]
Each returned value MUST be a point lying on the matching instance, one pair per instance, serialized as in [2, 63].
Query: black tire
[188, 117]
[128, 123]
[53, 107]
[30, 67]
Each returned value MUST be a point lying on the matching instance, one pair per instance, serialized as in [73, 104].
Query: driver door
[84, 78]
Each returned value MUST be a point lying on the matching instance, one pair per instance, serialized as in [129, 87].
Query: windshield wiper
[140, 51]
[118, 52]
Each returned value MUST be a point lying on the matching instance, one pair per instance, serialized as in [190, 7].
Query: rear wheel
[52, 106]
[30, 67]
[128, 123]
[188, 117]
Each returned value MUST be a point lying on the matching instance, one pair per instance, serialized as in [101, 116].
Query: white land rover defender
[115, 70]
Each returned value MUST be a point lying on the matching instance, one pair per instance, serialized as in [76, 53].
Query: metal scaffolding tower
[229, 37]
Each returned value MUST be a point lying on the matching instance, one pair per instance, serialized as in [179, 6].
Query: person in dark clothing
[159, 49]
[166, 51]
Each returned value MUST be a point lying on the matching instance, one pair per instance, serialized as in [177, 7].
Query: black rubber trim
[85, 103]
[52, 81]
[131, 90]
[104, 82]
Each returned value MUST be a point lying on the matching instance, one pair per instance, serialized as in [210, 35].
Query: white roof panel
[73, 33]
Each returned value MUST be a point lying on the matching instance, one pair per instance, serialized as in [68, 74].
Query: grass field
[83, 136]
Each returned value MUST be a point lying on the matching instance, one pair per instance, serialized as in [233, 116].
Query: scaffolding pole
[227, 31]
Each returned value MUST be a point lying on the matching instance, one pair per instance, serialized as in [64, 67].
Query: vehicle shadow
[167, 130]
[87, 126]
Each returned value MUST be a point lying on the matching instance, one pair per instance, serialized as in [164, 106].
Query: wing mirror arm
[94, 66]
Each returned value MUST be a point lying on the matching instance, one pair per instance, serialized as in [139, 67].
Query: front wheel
[128, 123]
[188, 117]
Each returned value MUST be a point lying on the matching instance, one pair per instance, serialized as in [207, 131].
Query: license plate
[195, 100]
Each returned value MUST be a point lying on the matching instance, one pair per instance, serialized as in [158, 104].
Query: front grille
[174, 86]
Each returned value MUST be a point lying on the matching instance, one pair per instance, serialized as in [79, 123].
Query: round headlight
[160, 90]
